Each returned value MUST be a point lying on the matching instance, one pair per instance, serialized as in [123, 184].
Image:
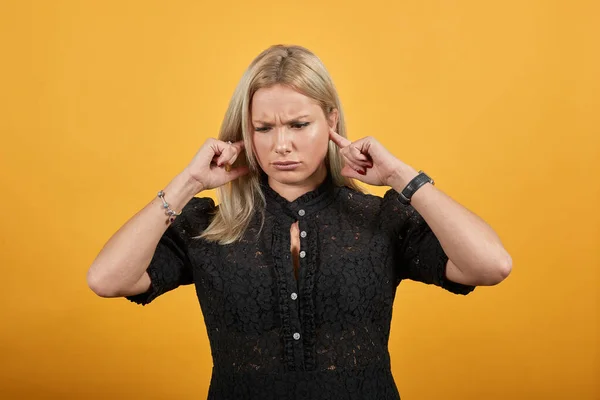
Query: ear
[332, 119]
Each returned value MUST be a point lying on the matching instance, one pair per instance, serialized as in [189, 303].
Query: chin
[288, 177]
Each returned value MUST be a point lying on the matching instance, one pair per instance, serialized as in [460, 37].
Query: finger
[233, 158]
[239, 145]
[221, 159]
[228, 155]
[221, 145]
[235, 173]
[354, 155]
[364, 164]
[355, 152]
[350, 173]
[218, 146]
[239, 148]
[339, 140]
[362, 161]
[235, 149]
[354, 166]
[359, 163]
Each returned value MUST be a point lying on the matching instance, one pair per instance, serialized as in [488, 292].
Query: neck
[291, 191]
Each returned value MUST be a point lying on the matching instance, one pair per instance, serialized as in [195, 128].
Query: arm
[476, 254]
[120, 267]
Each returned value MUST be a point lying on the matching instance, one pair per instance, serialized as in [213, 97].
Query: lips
[285, 162]
[285, 165]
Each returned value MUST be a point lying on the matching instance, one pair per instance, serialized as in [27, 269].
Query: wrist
[401, 176]
[181, 190]
[190, 183]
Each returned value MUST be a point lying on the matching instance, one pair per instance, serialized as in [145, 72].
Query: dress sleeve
[170, 266]
[419, 255]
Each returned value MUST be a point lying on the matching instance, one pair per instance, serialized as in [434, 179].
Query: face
[290, 135]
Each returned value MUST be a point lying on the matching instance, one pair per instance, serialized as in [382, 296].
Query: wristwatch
[410, 189]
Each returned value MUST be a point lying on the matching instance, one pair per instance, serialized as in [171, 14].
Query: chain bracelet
[170, 213]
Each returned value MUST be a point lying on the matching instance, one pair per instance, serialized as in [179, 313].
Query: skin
[288, 126]
[476, 254]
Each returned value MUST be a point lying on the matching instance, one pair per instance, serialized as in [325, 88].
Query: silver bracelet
[170, 213]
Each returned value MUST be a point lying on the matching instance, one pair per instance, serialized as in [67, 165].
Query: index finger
[338, 139]
[239, 145]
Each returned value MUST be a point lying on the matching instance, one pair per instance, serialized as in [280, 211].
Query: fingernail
[360, 171]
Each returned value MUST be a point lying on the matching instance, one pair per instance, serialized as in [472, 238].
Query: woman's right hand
[210, 167]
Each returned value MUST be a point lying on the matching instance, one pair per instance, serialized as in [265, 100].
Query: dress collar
[304, 205]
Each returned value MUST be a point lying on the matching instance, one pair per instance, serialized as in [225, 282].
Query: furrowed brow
[291, 121]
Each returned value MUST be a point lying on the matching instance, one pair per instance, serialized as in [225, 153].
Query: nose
[282, 141]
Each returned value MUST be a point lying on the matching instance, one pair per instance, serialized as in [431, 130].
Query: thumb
[237, 172]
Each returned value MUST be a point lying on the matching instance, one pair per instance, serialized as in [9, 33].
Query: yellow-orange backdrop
[102, 103]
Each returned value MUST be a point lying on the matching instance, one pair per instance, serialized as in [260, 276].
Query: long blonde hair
[301, 70]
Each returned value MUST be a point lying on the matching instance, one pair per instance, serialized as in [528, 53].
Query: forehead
[281, 101]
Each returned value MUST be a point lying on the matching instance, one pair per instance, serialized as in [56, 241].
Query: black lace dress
[323, 335]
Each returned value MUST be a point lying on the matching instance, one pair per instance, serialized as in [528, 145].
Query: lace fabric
[323, 335]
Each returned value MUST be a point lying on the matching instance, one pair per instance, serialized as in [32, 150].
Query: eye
[262, 128]
[299, 125]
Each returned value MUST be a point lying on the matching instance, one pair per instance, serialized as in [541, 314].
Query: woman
[296, 270]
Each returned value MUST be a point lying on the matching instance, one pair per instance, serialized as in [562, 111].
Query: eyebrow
[291, 121]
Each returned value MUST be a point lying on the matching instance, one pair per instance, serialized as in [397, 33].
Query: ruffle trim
[307, 311]
[284, 309]
[322, 194]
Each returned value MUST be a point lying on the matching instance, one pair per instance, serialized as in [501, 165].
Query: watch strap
[414, 185]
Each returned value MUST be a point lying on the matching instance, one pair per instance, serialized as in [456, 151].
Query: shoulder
[196, 215]
[352, 197]
[355, 198]
[199, 205]
[387, 208]
[358, 207]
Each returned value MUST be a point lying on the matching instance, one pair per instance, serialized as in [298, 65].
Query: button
[296, 336]
[294, 296]
[301, 213]
[302, 254]
[303, 234]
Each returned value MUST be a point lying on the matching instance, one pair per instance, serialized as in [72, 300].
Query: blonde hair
[295, 67]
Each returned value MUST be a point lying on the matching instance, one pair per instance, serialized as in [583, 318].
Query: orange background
[103, 103]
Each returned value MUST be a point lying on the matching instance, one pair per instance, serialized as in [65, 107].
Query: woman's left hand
[368, 161]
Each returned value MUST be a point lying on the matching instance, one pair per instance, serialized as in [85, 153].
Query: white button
[296, 336]
[294, 296]
[302, 254]
[303, 234]
[301, 213]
